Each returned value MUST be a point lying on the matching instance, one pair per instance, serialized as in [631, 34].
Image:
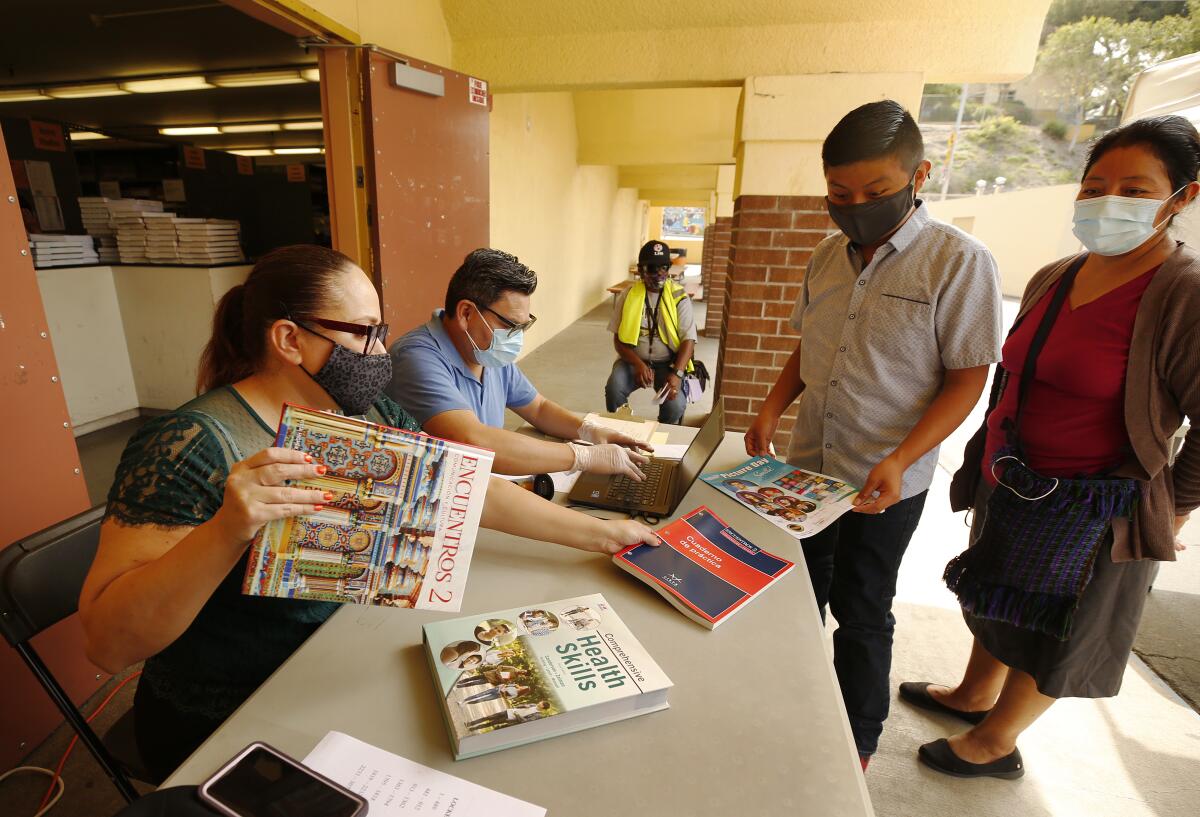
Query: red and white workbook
[704, 567]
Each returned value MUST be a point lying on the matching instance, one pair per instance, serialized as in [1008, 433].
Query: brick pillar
[714, 290]
[706, 261]
[771, 242]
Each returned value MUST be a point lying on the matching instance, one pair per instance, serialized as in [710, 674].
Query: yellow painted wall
[784, 120]
[1024, 229]
[571, 223]
[657, 126]
[724, 195]
[525, 45]
[416, 28]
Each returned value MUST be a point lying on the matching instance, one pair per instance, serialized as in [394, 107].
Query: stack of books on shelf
[162, 242]
[63, 250]
[108, 250]
[139, 231]
[96, 216]
[209, 241]
[131, 237]
[119, 224]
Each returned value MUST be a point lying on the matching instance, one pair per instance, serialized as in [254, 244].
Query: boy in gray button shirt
[899, 319]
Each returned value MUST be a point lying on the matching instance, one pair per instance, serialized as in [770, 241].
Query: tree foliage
[1062, 12]
[1090, 63]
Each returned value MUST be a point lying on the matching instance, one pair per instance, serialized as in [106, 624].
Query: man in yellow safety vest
[654, 335]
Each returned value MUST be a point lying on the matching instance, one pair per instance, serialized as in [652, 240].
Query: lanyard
[653, 316]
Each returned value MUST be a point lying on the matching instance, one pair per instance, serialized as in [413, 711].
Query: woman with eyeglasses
[1069, 478]
[165, 586]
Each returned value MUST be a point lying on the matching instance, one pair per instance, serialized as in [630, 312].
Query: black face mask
[654, 279]
[353, 380]
[866, 223]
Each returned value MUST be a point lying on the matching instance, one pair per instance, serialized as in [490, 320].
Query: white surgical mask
[1114, 225]
[503, 350]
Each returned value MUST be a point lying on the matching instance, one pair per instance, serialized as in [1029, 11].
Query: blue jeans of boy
[623, 382]
[853, 566]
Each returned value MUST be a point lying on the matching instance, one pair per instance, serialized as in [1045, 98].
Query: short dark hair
[1172, 139]
[485, 275]
[874, 131]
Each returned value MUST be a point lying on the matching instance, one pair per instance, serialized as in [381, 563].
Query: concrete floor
[1136, 754]
[572, 368]
[1133, 755]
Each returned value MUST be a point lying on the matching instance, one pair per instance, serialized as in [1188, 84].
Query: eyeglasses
[514, 329]
[371, 331]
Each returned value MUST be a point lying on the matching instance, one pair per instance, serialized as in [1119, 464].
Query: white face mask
[504, 349]
[1115, 225]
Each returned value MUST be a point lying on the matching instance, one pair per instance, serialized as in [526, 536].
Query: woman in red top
[1078, 419]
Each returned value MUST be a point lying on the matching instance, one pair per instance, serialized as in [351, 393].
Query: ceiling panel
[80, 40]
[93, 40]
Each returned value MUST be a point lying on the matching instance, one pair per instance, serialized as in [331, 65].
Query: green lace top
[172, 474]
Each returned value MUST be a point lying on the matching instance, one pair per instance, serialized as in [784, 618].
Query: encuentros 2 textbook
[400, 529]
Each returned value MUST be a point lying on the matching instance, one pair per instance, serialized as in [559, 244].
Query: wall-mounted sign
[416, 79]
[193, 158]
[245, 165]
[295, 173]
[477, 91]
[173, 190]
[48, 136]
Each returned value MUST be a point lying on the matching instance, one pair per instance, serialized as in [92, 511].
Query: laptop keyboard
[624, 489]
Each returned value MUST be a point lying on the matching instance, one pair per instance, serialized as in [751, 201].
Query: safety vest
[635, 304]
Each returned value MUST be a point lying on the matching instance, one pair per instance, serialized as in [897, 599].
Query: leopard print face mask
[353, 380]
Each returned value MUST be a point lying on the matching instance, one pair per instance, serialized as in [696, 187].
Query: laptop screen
[702, 447]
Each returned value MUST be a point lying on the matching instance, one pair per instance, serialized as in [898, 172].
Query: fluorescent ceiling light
[252, 152]
[162, 84]
[87, 136]
[192, 130]
[253, 78]
[317, 125]
[297, 151]
[88, 90]
[21, 95]
[311, 74]
[261, 127]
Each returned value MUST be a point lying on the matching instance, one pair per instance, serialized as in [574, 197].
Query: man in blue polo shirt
[457, 374]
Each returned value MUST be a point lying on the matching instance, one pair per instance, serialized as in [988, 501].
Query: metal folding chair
[40, 580]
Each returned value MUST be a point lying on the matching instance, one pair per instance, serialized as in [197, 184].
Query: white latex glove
[608, 459]
[597, 434]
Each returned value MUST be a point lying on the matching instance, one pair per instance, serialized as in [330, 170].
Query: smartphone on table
[262, 781]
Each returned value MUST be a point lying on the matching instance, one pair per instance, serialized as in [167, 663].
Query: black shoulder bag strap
[965, 482]
[1035, 347]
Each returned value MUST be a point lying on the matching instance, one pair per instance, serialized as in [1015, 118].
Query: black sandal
[940, 757]
[917, 694]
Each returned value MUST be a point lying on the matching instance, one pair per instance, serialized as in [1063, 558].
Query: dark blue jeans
[853, 565]
[622, 383]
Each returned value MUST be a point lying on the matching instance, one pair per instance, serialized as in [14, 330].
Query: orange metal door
[428, 176]
[40, 481]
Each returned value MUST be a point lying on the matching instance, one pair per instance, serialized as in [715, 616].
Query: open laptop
[666, 480]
